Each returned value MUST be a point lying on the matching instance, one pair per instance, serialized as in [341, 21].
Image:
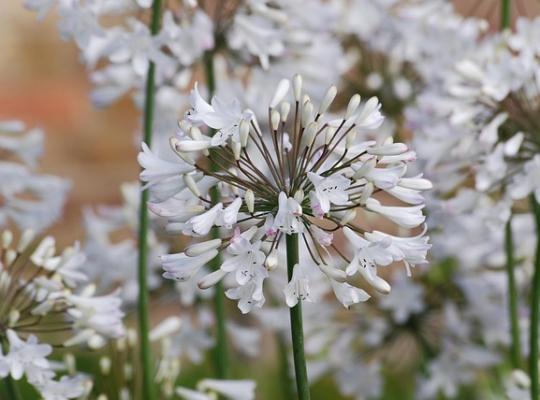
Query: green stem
[535, 302]
[10, 384]
[221, 354]
[505, 14]
[144, 320]
[297, 330]
[284, 370]
[515, 352]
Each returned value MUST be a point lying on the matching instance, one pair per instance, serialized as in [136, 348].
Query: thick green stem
[144, 319]
[515, 353]
[284, 370]
[535, 303]
[10, 384]
[221, 354]
[505, 14]
[297, 330]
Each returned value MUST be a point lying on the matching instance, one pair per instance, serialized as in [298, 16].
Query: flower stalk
[297, 330]
[144, 319]
[515, 354]
[221, 355]
[535, 308]
[505, 14]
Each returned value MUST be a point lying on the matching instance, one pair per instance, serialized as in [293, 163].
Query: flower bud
[192, 185]
[285, 108]
[271, 261]
[199, 248]
[105, 365]
[307, 113]
[328, 99]
[274, 119]
[354, 102]
[7, 238]
[165, 328]
[365, 169]
[192, 145]
[249, 199]
[280, 93]
[211, 279]
[244, 132]
[333, 273]
[349, 216]
[25, 240]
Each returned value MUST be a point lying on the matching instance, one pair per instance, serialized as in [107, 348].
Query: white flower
[232, 389]
[406, 298]
[527, 181]
[370, 117]
[298, 287]
[246, 257]
[67, 387]
[27, 358]
[201, 224]
[348, 294]
[223, 116]
[407, 217]
[250, 294]
[330, 190]
[287, 218]
[182, 267]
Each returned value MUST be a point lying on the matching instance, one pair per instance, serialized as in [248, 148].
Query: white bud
[285, 109]
[388, 149]
[237, 150]
[199, 248]
[297, 87]
[44, 251]
[132, 337]
[329, 133]
[102, 397]
[25, 240]
[280, 93]
[354, 102]
[244, 132]
[249, 199]
[195, 133]
[307, 113]
[308, 136]
[328, 99]
[275, 118]
[192, 185]
[14, 316]
[299, 196]
[366, 193]
[105, 365]
[184, 156]
[351, 138]
[333, 273]
[7, 238]
[349, 216]
[69, 361]
[271, 261]
[365, 169]
[192, 145]
[211, 279]
[165, 328]
[11, 255]
[380, 285]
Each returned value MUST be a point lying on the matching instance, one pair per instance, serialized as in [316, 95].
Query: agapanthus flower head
[44, 293]
[301, 174]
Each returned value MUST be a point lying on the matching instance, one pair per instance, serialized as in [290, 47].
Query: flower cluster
[29, 199]
[309, 176]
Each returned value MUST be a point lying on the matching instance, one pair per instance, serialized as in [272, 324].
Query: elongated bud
[192, 185]
[211, 279]
[14, 316]
[271, 261]
[244, 132]
[333, 273]
[307, 113]
[275, 118]
[351, 138]
[199, 248]
[25, 240]
[285, 109]
[379, 284]
[69, 362]
[44, 251]
[195, 133]
[366, 193]
[249, 199]
[348, 217]
[7, 238]
[299, 196]
[354, 102]
[11, 255]
[388, 149]
[365, 169]
[105, 365]
[132, 337]
[328, 99]
[237, 150]
[280, 93]
[184, 125]
[165, 328]
[329, 133]
[184, 156]
[297, 87]
[192, 145]
[308, 136]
